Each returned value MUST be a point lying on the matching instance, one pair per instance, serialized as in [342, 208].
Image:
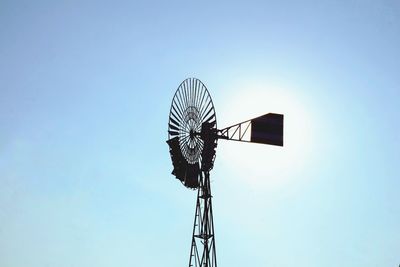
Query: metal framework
[202, 252]
[265, 129]
[236, 132]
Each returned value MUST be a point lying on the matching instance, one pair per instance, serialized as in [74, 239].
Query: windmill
[192, 140]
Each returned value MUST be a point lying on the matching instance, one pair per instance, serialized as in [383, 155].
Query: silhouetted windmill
[192, 140]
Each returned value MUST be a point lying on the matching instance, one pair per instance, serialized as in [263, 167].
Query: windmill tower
[192, 140]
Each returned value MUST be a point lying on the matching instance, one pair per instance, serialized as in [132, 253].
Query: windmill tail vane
[192, 141]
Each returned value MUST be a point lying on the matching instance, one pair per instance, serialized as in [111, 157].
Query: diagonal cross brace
[266, 129]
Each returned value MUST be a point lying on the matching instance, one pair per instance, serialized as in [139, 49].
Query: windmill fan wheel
[192, 132]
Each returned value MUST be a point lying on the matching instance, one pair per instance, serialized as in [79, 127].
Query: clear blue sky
[85, 91]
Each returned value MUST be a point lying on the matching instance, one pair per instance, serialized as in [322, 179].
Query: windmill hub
[192, 140]
[192, 134]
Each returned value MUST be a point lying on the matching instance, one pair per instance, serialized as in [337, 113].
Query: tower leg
[202, 252]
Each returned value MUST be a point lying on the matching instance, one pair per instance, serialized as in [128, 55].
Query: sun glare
[264, 164]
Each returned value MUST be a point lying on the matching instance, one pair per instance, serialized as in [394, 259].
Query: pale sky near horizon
[85, 92]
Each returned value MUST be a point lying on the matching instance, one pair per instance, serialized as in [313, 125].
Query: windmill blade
[192, 176]
[208, 113]
[174, 121]
[265, 129]
[179, 163]
[210, 118]
[173, 127]
[173, 133]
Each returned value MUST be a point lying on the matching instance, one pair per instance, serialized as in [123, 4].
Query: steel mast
[202, 252]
